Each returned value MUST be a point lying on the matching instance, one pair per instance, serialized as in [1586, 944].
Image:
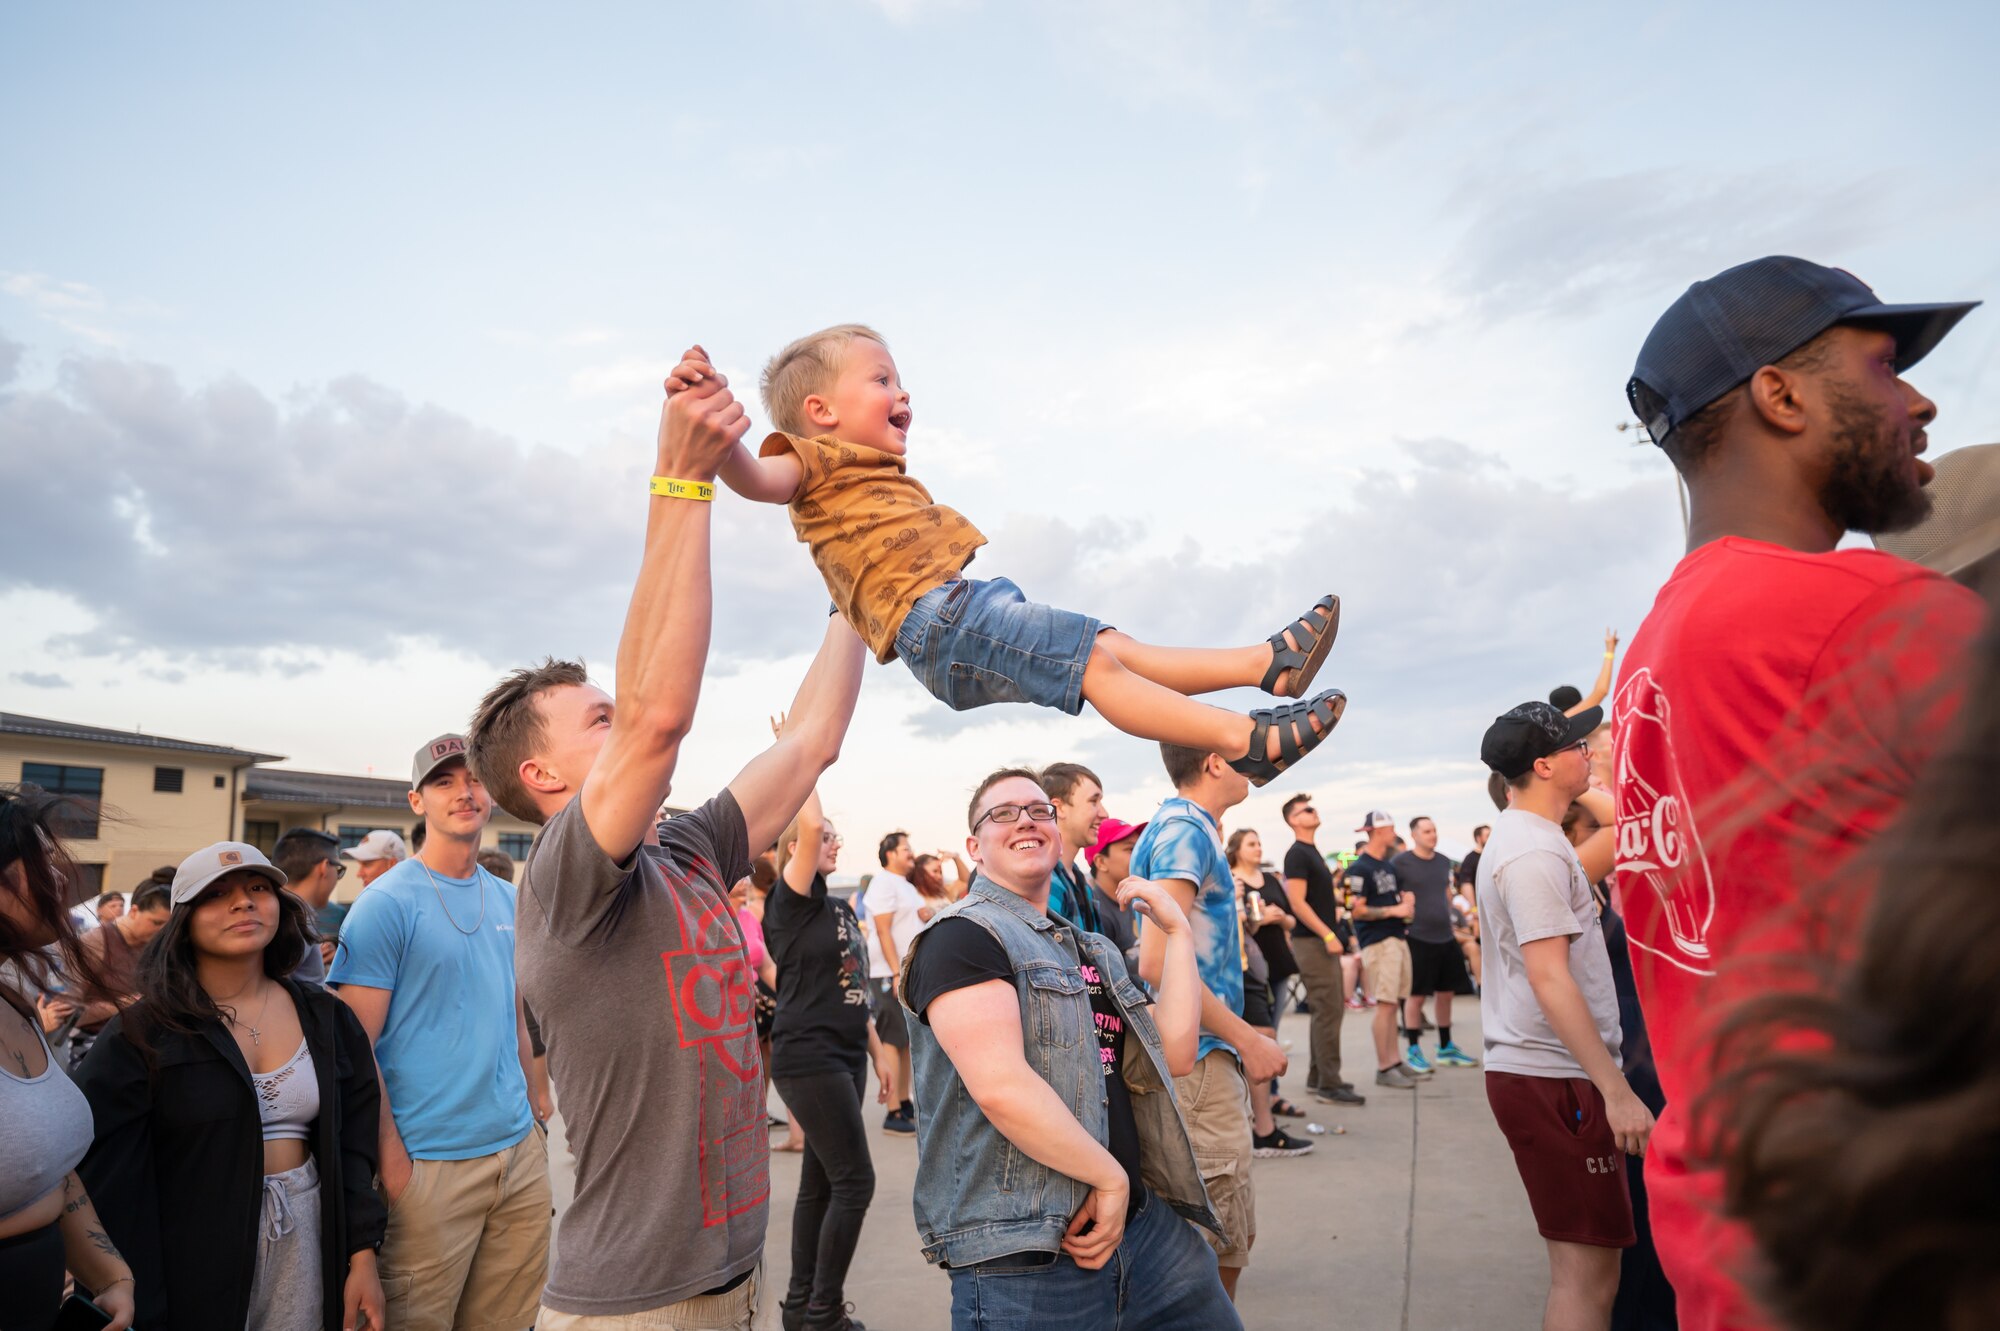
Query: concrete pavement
[1413, 1220]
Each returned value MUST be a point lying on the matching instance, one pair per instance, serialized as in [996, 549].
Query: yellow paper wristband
[672, 487]
[1326, 937]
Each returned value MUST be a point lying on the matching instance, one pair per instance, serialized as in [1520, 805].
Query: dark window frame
[515, 845]
[82, 787]
[169, 780]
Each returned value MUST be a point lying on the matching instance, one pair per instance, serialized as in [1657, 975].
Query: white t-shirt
[897, 900]
[1531, 886]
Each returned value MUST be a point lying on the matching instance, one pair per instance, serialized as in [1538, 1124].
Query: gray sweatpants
[286, 1294]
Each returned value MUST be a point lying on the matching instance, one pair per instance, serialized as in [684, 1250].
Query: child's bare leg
[1142, 708]
[1187, 670]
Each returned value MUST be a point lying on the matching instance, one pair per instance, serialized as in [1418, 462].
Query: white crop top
[288, 1098]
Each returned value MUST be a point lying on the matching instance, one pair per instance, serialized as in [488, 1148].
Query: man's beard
[1868, 487]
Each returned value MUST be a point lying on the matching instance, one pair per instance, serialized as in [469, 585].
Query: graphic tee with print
[1375, 883]
[1182, 842]
[960, 953]
[638, 974]
[1772, 714]
[822, 1021]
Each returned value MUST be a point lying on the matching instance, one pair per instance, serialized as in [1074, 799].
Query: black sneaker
[1343, 1094]
[1275, 1142]
[896, 1125]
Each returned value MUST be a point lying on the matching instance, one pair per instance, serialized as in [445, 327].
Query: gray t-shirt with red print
[638, 976]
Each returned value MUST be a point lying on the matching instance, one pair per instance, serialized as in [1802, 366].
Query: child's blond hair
[805, 367]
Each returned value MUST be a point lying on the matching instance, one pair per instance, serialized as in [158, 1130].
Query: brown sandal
[1315, 631]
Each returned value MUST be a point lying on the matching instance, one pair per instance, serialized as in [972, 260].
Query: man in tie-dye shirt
[1182, 850]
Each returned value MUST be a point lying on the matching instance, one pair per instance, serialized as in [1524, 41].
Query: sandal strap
[1307, 629]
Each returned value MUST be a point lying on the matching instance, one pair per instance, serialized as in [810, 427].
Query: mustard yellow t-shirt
[878, 539]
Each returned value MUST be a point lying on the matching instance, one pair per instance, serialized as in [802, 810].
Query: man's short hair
[991, 780]
[498, 863]
[1183, 764]
[1692, 441]
[1058, 780]
[805, 367]
[507, 728]
[887, 847]
[153, 896]
[1420, 818]
[416, 838]
[303, 849]
[1565, 696]
[1483, 827]
[1293, 803]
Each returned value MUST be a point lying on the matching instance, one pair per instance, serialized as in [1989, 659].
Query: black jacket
[177, 1167]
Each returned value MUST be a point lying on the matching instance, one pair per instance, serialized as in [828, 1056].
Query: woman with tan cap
[236, 1115]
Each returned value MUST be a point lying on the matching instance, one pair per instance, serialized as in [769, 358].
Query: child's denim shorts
[975, 642]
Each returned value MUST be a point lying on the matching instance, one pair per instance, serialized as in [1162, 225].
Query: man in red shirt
[1783, 694]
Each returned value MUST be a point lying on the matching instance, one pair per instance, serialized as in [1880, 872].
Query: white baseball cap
[1376, 818]
[381, 844]
[209, 863]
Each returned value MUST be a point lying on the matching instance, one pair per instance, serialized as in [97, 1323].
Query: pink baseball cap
[1109, 833]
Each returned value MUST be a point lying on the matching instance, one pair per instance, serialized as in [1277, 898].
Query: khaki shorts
[1215, 1101]
[468, 1241]
[1385, 970]
[730, 1311]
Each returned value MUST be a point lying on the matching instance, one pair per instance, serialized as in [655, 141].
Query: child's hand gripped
[695, 367]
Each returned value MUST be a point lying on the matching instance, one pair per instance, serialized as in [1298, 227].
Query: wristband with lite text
[672, 487]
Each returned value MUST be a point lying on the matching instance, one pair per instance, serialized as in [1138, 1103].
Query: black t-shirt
[1270, 938]
[1304, 861]
[1468, 868]
[822, 1019]
[1375, 883]
[957, 954]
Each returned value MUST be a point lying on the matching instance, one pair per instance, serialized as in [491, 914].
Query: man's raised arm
[770, 789]
[665, 643]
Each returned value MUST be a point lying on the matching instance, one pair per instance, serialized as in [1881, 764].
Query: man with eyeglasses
[310, 861]
[1028, 1192]
[1549, 1015]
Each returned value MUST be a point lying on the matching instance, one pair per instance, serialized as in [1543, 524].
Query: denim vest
[977, 1195]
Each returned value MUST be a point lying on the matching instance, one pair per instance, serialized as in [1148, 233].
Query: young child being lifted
[892, 560]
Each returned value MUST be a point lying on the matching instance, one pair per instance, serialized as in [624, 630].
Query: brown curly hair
[1855, 1114]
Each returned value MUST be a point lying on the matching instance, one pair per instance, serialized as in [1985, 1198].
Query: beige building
[142, 801]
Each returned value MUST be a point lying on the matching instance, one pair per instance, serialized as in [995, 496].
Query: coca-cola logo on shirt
[1660, 853]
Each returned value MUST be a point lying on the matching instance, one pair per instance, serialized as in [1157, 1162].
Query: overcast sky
[330, 340]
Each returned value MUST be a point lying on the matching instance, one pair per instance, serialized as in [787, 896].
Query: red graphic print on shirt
[713, 997]
[1659, 847]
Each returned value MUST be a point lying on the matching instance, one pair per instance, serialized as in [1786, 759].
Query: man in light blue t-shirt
[426, 960]
[1181, 849]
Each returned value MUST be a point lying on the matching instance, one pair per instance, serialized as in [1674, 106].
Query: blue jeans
[971, 643]
[1162, 1277]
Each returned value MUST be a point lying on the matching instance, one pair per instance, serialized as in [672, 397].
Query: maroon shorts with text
[1573, 1169]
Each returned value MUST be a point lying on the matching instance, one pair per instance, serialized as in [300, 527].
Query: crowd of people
[1076, 1019]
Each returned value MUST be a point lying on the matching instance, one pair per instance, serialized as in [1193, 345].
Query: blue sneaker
[1416, 1063]
[1451, 1056]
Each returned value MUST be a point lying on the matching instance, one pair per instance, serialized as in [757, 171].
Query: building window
[514, 845]
[218, 783]
[83, 787]
[88, 885]
[350, 835]
[262, 835]
[169, 780]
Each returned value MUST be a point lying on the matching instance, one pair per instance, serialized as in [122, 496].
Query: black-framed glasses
[1040, 811]
[339, 869]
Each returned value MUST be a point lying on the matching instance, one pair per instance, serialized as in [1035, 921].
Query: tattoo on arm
[103, 1242]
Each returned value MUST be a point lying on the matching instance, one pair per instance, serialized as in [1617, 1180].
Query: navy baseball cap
[1533, 730]
[1722, 331]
